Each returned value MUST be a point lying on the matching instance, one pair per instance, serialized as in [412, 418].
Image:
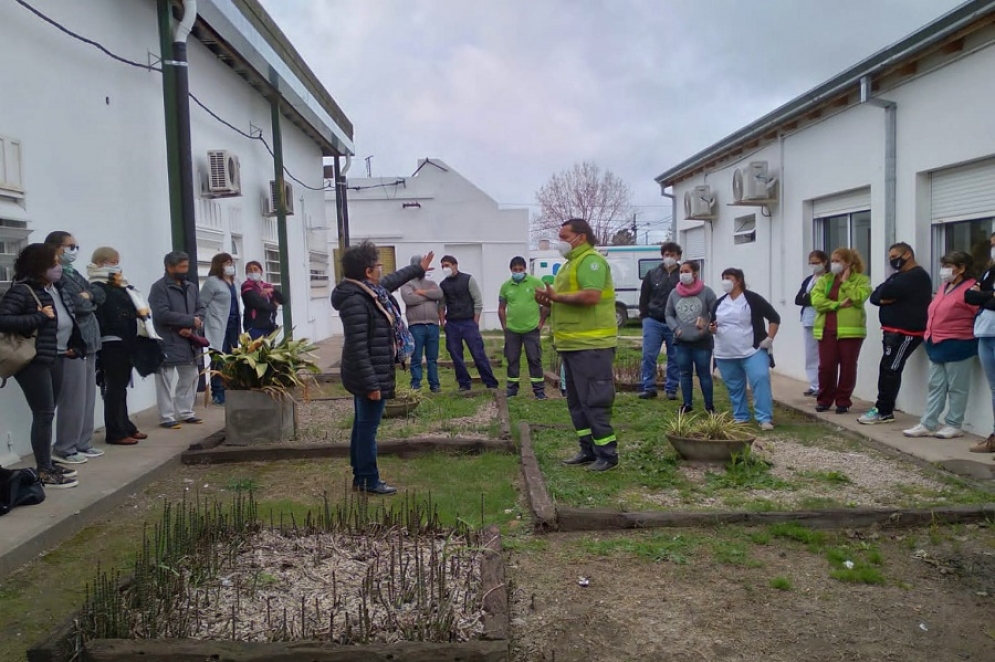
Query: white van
[629, 265]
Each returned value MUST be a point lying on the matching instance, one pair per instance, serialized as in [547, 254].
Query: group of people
[954, 324]
[685, 318]
[92, 329]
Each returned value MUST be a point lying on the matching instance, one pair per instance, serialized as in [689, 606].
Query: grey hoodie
[421, 308]
[683, 312]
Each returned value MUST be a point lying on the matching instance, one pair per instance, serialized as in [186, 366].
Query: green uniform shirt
[521, 311]
[578, 328]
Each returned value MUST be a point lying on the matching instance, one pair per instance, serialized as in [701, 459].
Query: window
[318, 269]
[646, 266]
[745, 231]
[271, 263]
[13, 237]
[236, 252]
[209, 244]
[387, 259]
[972, 237]
[846, 231]
[11, 184]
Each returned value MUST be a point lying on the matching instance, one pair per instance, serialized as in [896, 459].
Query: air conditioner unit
[271, 203]
[223, 178]
[699, 203]
[753, 183]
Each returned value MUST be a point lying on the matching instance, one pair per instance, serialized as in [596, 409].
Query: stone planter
[400, 407]
[255, 417]
[708, 450]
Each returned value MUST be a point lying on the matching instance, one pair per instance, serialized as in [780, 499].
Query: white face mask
[687, 279]
[564, 247]
[446, 272]
[254, 276]
[836, 267]
[669, 262]
[946, 274]
[818, 269]
[229, 270]
[728, 286]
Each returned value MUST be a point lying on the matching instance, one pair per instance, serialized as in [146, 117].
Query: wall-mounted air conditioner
[754, 184]
[271, 202]
[223, 177]
[700, 203]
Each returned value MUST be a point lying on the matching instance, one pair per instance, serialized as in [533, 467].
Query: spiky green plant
[710, 427]
[277, 367]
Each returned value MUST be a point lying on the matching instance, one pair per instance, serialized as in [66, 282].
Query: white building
[83, 149]
[438, 209]
[900, 147]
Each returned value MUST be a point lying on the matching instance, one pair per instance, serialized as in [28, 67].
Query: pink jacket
[950, 317]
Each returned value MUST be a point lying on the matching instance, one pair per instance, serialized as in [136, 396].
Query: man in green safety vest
[582, 304]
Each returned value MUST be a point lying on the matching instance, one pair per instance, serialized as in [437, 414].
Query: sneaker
[72, 458]
[217, 402]
[92, 452]
[193, 420]
[873, 417]
[811, 393]
[511, 393]
[647, 395]
[603, 465]
[540, 395]
[767, 427]
[842, 410]
[919, 430]
[685, 409]
[949, 432]
[579, 458]
[710, 410]
[170, 425]
[464, 389]
[671, 395]
[380, 488]
[436, 389]
[986, 446]
[822, 408]
[63, 470]
[53, 480]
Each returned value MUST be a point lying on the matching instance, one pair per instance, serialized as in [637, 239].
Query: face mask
[255, 276]
[114, 270]
[68, 257]
[564, 248]
[54, 275]
[898, 263]
[181, 275]
[669, 262]
[836, 267]
[728, 286]
[446, 272]
[818, 269]
[518, 277]
[687, 279]
[229, 270]
[946, 274]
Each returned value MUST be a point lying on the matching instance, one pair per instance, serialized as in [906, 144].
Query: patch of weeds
[655, 547]
[760, 536]
[242, 485]
[791, 531]
[733, 553]
[524, 544]
[781, 583]
[746, 470]
[852, 566]
[829, 477]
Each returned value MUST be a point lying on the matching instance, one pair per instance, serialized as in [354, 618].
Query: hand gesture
[713, 328]
[846, 273]
[426, 262]
[374, 395]
[197, 323]
[186, 333]
[421, 293]
[49, 312]
[546, 296]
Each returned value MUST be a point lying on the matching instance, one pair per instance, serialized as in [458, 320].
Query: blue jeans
[986, 352]
[363, 444]
[467, 330]
[230, 343]
[427, 344]
[691, 359]
[655, 335]
[756, 371]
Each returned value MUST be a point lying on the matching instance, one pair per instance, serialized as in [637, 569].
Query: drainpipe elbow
[184, 27]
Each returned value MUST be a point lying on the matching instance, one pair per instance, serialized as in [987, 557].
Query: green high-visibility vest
[584, 327]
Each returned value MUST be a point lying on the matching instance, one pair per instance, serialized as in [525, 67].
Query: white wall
[453, 213]
[94, 154]
[943, 119]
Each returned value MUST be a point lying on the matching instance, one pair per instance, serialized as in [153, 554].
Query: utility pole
[369, 171]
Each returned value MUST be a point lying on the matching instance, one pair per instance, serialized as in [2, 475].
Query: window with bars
[271, 263]
[318, 269]
[846, 231]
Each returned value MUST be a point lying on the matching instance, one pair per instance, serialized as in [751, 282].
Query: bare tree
[623, 237]
[584, 191]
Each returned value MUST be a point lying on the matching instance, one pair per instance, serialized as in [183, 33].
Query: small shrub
[781, 583]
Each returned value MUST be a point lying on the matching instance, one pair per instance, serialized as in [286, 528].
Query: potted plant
[261, 377]
[709, 438]
[406, 400]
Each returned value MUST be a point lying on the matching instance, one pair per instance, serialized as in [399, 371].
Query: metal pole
[281, 216]
[185, 152]
[169, 111]
[890, 173]
[340, 206]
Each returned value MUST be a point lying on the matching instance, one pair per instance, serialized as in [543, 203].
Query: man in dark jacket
[372, 326]
[463, 305]
[653, 295]
[904, 299]
[178, 316]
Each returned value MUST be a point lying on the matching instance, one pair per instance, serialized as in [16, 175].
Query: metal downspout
[184, 141]
[890, 157]
[281, 216]
[169, 112]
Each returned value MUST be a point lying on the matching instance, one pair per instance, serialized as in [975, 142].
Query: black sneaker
[684, 409]
[464, 389]
[580, 458]
[511, 393]
[53, 480]
[671, 395]
[436, 389]
[539, 395]
[822, 408]
[842, 410]
[380, 488]
[603, 465]
[63, 470]
[648, 395]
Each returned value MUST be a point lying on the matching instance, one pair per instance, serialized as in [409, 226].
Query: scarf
[691, 290]
[404, 342]
[116, 279]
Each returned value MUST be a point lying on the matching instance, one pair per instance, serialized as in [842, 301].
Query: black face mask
[898, 262]
[181, 275]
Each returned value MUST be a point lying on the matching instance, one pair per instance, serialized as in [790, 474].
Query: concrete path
[107, 481]
[952, 454]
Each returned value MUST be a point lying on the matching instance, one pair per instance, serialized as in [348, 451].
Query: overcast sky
[510, 91]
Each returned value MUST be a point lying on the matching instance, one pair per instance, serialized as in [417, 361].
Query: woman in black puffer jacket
[35, 302]
[371, 321]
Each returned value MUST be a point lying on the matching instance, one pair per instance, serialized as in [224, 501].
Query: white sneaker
[92, 452]
[919, 430]
[72, 458]
[949, 432]
[767, 427]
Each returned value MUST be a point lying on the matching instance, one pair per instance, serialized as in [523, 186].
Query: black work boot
[539, 394]
[607, 457]
[586, 454]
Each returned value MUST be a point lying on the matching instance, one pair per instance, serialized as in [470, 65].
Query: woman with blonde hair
[840, 327]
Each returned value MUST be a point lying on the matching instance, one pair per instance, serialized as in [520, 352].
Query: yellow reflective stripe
[584, 433]
[514, 379]
[593, 333]
[536, 380]
[605, 440]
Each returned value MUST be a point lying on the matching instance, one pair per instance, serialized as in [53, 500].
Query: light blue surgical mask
[518, 277]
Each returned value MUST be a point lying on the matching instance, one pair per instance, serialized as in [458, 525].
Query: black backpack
[19, 487]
